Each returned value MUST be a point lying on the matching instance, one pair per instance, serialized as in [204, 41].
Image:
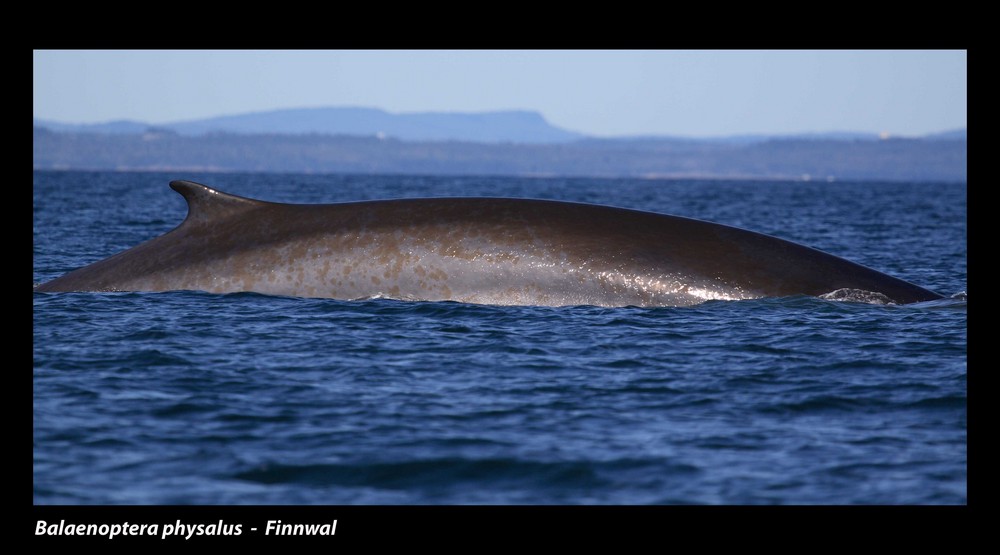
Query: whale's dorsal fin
[206, 204]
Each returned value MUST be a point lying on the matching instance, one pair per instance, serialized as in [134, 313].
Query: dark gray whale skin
[477, 250]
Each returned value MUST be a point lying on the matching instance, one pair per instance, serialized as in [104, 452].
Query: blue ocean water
[187, 397]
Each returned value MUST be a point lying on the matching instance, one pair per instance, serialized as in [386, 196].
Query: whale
[497, 251]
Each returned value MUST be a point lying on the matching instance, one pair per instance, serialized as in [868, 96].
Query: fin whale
[478, 250]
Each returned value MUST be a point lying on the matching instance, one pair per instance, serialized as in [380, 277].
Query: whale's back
[486, 250]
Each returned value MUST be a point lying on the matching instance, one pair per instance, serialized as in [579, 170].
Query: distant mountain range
[513, 126]
[365, 140]
[797, 159]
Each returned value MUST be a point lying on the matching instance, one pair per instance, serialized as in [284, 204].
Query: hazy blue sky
[694, 93]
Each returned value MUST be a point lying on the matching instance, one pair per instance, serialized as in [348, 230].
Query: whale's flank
[480, 250]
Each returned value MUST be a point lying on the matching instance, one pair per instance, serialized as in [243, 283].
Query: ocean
[193, 398]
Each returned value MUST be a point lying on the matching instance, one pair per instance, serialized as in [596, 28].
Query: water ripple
[189, 397]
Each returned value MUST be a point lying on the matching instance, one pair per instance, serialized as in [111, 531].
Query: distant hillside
[512, 126]
[746, 139]
[823, 159]
[515, 126]
[111, 127]
[954, 135]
